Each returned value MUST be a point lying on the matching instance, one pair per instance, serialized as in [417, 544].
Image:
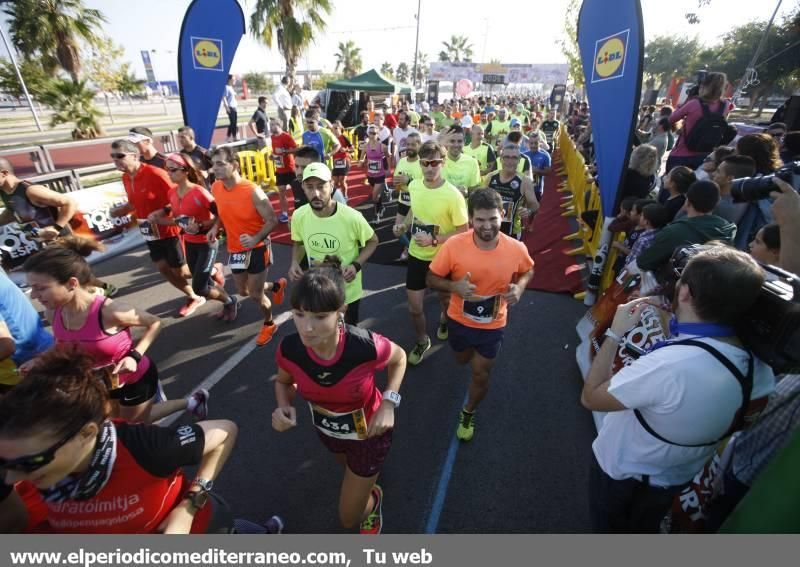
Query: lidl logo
[609, 57]
[207, 54]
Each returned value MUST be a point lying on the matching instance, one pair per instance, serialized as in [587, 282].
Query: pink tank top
[104, 347]
[375, 162]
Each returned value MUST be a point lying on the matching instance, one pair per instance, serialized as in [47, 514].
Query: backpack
[709, 131]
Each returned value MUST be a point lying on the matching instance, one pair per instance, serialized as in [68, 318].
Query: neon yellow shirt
[436, 212]
[466, 172]
[483, 153]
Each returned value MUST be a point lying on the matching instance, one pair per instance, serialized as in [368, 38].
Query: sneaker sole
[201, 415]
[258, 343]
[379, 511]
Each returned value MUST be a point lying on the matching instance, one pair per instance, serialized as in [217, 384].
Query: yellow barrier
[258, 167]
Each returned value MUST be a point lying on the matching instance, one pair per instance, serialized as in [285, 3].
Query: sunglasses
[430, 162]
[119, 156]
[174, 169]
[30, 463]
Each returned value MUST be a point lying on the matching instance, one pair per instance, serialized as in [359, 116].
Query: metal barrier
[61, 181]
[37, 159]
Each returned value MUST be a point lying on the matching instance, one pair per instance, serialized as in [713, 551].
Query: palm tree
[273, 20]
[422, 68]
[386, 69]
[403, 73]
[73, 102]
[457, 50]
[50, 30]
[349, 59]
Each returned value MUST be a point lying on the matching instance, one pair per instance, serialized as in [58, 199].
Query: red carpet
[554, 270]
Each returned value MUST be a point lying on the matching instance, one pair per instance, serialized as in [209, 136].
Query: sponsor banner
[543, 73]
[209, 38]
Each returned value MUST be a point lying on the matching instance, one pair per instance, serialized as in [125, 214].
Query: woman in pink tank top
[375, 153]
[60, 278]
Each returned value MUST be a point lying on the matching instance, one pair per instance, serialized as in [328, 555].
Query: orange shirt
[237, 211]
[491, 271]
[148, 191]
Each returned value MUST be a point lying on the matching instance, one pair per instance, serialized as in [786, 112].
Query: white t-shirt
[428, 137]
[282, 98]
[400, 136]
[230, 96]
[686, 396]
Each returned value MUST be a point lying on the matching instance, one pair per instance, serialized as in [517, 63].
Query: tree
[50, 31]
[129, 85]
[668, 56]
[386, 69]
[569, 45]
[403, 73]
[320, 82]
[458, 49]
[73, 102]
[276, 21]
[32, 73]
[349, 59]
[102, 63]
[422, 68]
[258, 82]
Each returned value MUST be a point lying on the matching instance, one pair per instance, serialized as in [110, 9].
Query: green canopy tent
[369, 82]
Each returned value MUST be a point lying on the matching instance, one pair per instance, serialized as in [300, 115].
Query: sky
[389, 36]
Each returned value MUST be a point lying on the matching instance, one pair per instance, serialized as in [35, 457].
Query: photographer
[786, 209]
[669, 408]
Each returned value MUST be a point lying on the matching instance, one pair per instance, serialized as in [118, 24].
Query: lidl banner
[209, 38]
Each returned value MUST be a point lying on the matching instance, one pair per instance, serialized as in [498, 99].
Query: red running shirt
[284, 163]
[195, 203]
[148, 191]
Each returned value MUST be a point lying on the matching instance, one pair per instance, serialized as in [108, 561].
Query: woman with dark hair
[95, 474]
[692, 111]
[766, 246]
[764, 149]
[194, 211]
[61, 280]
[332, 366]
[677, 183]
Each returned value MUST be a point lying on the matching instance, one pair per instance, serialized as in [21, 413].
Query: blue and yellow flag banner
[611, 40]
[209, 38]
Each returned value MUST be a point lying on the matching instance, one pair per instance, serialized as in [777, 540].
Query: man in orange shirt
[148, 188]
[247, 217]
[485, 272]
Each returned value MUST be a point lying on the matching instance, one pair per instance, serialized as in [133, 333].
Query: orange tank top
[237, 211]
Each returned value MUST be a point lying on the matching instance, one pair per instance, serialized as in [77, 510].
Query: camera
[748, 189]
[771, 327]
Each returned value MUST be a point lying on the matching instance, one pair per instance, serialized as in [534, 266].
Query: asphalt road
[525, 471]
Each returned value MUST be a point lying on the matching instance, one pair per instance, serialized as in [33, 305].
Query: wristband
[135, 355]
[356, 265]
[613, 336]
[58, 227]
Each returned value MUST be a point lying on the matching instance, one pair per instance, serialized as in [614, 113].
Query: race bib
[417, 227]
[29, 228]
[183, 222]
[482, 309]
[508, 210]
[404, 197]
[350, 425]
[374, 166]
[149, 231]
[278, 160]
[239, 260]
[340, 163]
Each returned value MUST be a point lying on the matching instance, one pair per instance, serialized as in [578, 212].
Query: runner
[332, 366]
[501, 126]
[481, 151]
[98, 475]
[514, 190]
[325, 226]
[360, 132]
[247, 217]
[550, 128]
[428, 134]
[296, 125]
[541, 165]
[143, 138]
[407, 170]
[375, 156]
[384, 137]
[400, 134]
[438, 212]
[535, 132]
[192, 209]
[460, 169]
[283, 148]
[199, 154]
[485, 272]
[60, 279]
[341, 159]
[148, 188]
[318, 138]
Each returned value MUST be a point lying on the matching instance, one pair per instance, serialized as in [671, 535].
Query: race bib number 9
[483, 309]
[340, 163]
[351, 425]
[149, 231]
[373, 166]
[239, 260]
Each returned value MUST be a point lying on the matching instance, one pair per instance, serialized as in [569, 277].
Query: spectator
[296, 124]
[763, 148]
[691, 112]
[786, 210]
[698, 227]
[791, 147]
[282, 99]
[732, 167]
[677, 183]
[668, 409]
[230, 104]
[259, 121]
[766, 246]
[623, 221]
[660, 139]
[654, 217]
[712, 161]
[632, 235]
[199, 154]
[640, 175]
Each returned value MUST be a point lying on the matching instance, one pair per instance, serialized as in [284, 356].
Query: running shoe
[274, 525]
[191, 306]
[266, 334]
[373, 523]
[200, 410]
[161, 395]
[466, 426]
[283, 217]
[109, 290]
[218, 275]
[441, 331]
[419, 350]
[230, 311]
[277, 296]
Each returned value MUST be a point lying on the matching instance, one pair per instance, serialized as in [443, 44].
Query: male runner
[516, 192]
[283, 148]
[541, 165]
[438, 212]
[318, 138]
[460, 169]
[406, 171]
[148, 188]
[327, 227]
[247, 217]
[481, 151]
[485, 272]
[400, 134]
[143, 138]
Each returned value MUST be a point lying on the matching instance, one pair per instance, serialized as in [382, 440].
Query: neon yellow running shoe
[373, 523]
[466, 426]
[415, 354]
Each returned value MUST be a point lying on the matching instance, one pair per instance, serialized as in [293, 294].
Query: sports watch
[206, 485]
[393, 397]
